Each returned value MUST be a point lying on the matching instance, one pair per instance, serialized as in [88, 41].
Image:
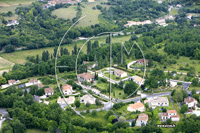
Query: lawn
[100, 117]
[116, 92]
[20, 56]
[91, 15]
[5, 63]
[83, 107]
[191, 88]
[182, 61]
[35, 131]
[174, 11]
[15, 2]
[65, 13]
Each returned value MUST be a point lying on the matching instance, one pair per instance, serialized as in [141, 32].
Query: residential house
[138, 80]
[190, 101]
[48, 91]
[10, 83]
[86, 77]
[158, 101]
[89, 64]
[67, 89]
[40, 85]
[37, 99]
[171, 17]
[13, 22]
[170, 114]
[161, 21]
[178, 6]
[13, 82]
[131, 23]
[142, 61]
[120, 73]
[32, 82]
[136, 107]
[142, 119]
[69, 100]
[88, 99]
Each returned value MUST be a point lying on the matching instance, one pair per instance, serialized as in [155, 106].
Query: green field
[174, 11]
[182, 61]
[65, 13]
[20, 56]
[34, 131]
[15, 2]
[91, 15]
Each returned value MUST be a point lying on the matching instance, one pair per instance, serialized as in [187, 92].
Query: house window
[165, 103]
[158, 103]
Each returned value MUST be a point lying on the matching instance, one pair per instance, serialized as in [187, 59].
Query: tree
[18, 127]
[2, 80]
[196, 96]
[98, 103]
[169, 121]
[111, 118]
[184, 109]
[122, 119]
[194, 91]
[195, 81]
[89, 47]
[178, 96]
[130, 87]
[77, 104]
[63, 128]
[9, 48]
[37, 59]
[185, 94]
[94, 113]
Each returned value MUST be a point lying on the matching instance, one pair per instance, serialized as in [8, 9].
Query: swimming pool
[197, 113]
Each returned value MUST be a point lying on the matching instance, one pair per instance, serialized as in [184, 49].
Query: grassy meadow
[91, 15]
[15, 2]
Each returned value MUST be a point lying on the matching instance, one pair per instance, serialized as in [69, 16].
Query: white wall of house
[190, 105]
[175, 119]
[141, 109]
[67, 92]
[49, 94]
[139, 123]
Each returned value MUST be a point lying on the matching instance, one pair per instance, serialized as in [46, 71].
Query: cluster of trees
[127, 10]
[178, 95]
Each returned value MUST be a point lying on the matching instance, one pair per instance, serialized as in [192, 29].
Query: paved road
[136, 99]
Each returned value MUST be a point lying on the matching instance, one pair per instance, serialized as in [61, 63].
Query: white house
[86, 76]
[69, 100]
[67, 89]
[170, 114]
[10, 83]
[190, 101]
[89, 64]
[88, 99]
[48, 91]
[138, 80]
[13, 22]
[142, 119]
[120, 73]
[136, 107]
[33, 82]
[158, 101]
[142, 61]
